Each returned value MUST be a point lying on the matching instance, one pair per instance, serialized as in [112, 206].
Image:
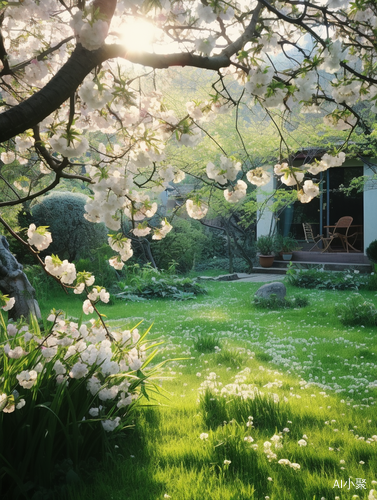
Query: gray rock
[275, 288]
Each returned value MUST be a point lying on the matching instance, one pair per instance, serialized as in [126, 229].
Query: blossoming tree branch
[66, 81]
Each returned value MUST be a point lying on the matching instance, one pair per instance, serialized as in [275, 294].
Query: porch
[331, 261]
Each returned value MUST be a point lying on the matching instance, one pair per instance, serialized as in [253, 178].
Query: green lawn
[308, 382]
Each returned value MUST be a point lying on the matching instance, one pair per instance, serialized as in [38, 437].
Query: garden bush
[66, 393]
[148, 282]
[239, 265]
[187, 244]
[275, 302]
[72, 235]
[357, 311]
[317, 277]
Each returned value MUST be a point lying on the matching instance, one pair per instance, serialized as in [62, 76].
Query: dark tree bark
[14, 282]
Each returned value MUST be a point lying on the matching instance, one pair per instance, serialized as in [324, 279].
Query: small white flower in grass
[203, 436]
[20, 404]
[295, 466]
[198, 374]
[248, 439]
[11, 330]
[15, 353]
[59, 368]
[284, 461]
[9, 302]
[87, 307]
[167, 496]
[124, 400]
[79, 370]
[94, 412]
[361, 462]
[27, 379]
[110, 425]
[302, 442]
[227, 462]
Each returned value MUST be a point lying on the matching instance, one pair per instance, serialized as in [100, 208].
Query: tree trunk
[14, 282]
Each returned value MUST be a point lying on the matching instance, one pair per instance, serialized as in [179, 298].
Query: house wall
[370, 208]
[265, 223]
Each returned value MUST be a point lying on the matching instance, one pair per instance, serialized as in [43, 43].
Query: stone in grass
[276, 288]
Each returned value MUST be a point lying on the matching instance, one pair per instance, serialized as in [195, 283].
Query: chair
[341, 232]
[309, 235]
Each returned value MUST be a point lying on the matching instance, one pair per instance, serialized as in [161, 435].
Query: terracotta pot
[266, 260]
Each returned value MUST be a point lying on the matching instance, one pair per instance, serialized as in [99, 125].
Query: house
[332, 203]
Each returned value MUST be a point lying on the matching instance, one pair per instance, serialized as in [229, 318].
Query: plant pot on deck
[266, 260]
[286, 255]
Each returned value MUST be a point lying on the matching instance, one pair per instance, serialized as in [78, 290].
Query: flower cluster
[39, 237]
[227, 171]
[63, 270]
[77, 352]
[196, 209]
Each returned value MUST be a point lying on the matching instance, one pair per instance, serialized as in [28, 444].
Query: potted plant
[286, 245]
[266, 246]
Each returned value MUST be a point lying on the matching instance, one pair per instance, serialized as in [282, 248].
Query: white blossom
[39, 237]
[27, 378]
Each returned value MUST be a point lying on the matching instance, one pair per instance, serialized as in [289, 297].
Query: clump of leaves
[207, 343]
[357, 311]
[317, 277]
[147, 282]
[275, 302]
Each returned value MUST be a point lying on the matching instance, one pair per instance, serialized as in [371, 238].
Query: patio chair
[309, 235]
[341, 232]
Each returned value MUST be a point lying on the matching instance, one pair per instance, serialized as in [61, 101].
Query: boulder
[275, 288]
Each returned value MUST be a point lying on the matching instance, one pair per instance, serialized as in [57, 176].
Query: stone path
[256, 277]
[263, 278]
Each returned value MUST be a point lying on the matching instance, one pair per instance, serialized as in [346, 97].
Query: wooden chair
[341, 232]
[309, 235]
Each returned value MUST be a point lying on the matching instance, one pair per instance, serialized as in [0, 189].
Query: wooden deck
[331, 261]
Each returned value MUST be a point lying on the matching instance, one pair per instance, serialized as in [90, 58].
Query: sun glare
[139, 36]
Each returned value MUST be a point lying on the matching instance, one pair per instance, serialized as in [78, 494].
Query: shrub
[72, 235]
[317, 277]
[148, 282]
[274, 302]
[187, 244]
[65, 395]
[239, 265]
[357, 312]
[97, 261]
[207, 343]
